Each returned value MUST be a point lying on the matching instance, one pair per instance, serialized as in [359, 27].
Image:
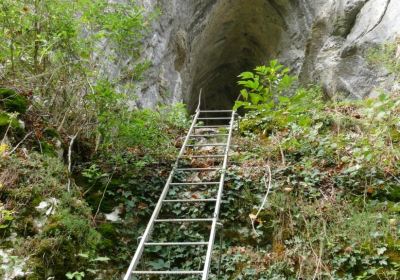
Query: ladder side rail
[207, 262]
[139, 251]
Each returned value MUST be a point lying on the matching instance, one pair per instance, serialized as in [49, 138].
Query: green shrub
[52, 50]
[264, 86]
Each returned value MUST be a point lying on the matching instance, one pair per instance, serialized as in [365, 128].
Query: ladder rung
[165, 272]
[183, 220]
[206, 156]
[216, 118]
[211, 126]
[190, 200]
[199, 169]
[207, 145]
[216, 111]
[176, 243]
[194, 183]
[208, 135]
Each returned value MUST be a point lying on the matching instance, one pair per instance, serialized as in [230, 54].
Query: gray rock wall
[205, 44]
[337, 49]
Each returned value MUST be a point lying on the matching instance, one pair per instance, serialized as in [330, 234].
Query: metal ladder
[193, 134]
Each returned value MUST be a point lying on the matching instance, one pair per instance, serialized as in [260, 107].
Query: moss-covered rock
[11, 101]
[48, 149]
[109, 233]
[107, 230]
[394, 194]
[49, 242]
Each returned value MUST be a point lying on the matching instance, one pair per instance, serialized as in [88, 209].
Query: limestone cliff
[206, 44]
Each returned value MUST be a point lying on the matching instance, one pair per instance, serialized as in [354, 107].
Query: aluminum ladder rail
[214, 219]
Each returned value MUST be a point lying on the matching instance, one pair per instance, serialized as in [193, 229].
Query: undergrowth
[333, 208]
[47, 227]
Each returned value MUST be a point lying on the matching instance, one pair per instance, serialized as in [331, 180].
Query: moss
[33, 277]
[28, 224]
[48, 149]
[55, 250]
[52, 250]
[6, 120]
[51, 257]
[51, 133]
[107, 230]
[74, 228]
[394, 208]
[11, 101]
[394, 194]
[109, 234]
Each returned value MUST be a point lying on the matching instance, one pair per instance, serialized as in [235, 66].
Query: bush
[264, 87]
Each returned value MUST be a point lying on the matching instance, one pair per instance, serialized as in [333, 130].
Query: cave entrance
[238, 36]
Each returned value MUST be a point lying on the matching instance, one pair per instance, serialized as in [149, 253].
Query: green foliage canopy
[51, 50]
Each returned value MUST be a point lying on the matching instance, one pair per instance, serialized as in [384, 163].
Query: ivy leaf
[352, 169]
[83, 255]
[101, 259]
[159, 264]
[383, 262]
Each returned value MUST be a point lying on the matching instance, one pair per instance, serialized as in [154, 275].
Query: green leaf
[353, 168]
[101, 259]
[273, 63]
[245, 94]
[82, 255]
[246, 75]
[239, 104]
[284, 99]
[75, 275]
[159, 264]
[251, 84]
[286, 82]
[255, 98]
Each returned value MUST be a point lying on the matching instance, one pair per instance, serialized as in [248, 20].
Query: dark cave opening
[237, 37]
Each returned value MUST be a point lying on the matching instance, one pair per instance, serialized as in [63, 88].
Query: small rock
[114, 215]
[48, 206]
[288, 190]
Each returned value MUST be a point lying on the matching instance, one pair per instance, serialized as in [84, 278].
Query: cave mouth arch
[238, 36]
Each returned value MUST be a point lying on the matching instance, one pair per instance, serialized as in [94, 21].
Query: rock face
[205, 44]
